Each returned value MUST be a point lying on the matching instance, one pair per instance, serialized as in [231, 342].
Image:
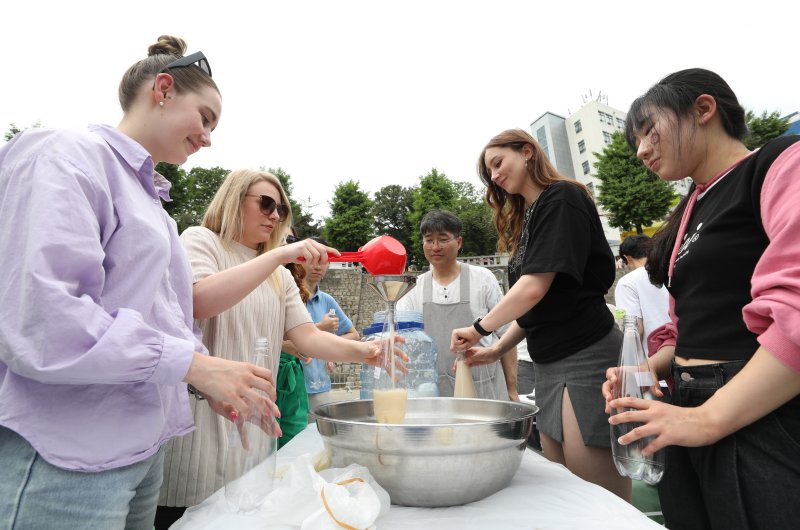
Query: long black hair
[678, 92]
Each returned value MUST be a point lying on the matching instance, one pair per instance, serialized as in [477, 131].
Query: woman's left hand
[464, 338]
[670, 425]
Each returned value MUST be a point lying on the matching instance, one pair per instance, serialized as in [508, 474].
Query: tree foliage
[632, 196]
[478, 232]
[763, 128]
[391, 208]
[191, 192]
[350, 223]
[435, 191]
[13, 130]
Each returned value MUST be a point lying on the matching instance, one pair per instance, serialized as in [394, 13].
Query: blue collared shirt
[315, 372]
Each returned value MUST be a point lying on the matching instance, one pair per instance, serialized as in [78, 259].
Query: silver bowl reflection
[449, 451]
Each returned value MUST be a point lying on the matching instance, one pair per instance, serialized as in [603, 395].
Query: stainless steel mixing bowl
[449, 451]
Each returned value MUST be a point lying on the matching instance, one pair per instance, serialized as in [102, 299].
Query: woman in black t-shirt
[560, 270]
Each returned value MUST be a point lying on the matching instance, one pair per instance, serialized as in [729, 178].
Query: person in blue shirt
[328, 316]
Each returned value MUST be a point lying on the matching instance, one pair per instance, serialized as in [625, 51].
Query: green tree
[191, 192]
[350, 223]
[13, 130]
[479, 235]
[632, 196]
[762, 128]
[390, 212]
[435, 191]
[302, 219]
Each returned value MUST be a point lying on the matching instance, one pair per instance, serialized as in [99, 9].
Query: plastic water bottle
[634, 380]
[421, 379]
[252, 447]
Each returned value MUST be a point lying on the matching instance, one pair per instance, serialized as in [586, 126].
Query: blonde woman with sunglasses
[241, 291]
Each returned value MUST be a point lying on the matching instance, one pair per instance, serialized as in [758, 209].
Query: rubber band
[328, 508]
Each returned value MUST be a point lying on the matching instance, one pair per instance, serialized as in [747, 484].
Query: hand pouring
[383, 255]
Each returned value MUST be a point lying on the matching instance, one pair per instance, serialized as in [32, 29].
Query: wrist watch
[196, 393]
[479, 328]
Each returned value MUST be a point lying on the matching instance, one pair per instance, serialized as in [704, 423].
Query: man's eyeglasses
[430, 243]
[268, 205]
[196, 58]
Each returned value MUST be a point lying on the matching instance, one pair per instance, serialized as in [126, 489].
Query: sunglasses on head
[196, 58]
[268, 205]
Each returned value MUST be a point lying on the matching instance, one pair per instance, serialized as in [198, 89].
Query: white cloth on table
[542, 494]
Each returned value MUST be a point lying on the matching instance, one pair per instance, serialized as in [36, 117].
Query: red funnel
[383, 255]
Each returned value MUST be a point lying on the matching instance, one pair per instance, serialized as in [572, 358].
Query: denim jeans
[748, 480]
[36, 494]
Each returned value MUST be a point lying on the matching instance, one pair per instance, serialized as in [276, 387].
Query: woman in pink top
[730, 258]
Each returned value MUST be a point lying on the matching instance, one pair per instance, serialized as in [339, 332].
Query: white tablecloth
[542, 495]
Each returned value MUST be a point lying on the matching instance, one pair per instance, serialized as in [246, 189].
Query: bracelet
[479, 328]
[196, 393]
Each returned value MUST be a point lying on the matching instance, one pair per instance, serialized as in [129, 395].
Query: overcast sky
[379, 91]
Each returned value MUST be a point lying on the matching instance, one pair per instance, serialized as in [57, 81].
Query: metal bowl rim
[534, 411]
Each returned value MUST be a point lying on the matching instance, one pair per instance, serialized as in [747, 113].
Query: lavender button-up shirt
[96, 328]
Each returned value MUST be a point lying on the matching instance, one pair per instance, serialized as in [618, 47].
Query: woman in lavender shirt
[97, 343]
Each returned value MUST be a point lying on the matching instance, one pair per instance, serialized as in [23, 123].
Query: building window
[578, 127]
[606, 137]
[541, 137]
[581, 146]
[605, 117]
[585, 167]
[590, 185]
[620, 124]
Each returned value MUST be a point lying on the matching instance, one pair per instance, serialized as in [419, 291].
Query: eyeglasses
[430, 243]
[196, 58]
[268, 205]
[291, 239]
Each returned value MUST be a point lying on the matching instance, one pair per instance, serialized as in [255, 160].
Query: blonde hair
[224, 215]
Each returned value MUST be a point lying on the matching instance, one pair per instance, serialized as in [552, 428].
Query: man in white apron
[452, 295]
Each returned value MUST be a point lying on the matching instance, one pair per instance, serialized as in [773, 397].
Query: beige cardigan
[194, 464]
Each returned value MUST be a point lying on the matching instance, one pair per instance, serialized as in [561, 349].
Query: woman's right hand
[611, 392]
[307, 250]
[230, 386]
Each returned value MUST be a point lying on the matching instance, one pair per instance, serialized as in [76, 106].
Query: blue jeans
[748, 480]
[36, 494]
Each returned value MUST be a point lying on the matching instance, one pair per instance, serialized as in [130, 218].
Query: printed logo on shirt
[688, 239]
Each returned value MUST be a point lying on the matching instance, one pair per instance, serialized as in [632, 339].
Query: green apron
[292, 398]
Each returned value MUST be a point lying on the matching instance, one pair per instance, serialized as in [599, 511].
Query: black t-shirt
[724, 240]
[563, 234]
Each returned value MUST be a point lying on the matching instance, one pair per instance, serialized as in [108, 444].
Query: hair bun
[167, 45]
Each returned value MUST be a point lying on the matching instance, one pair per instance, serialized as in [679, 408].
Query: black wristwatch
[479, 328]
[196, 393]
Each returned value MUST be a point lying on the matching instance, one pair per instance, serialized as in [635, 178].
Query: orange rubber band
[328, 508]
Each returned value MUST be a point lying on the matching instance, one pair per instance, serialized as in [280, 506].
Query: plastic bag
[304, 499]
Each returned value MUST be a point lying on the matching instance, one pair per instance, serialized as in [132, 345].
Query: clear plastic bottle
[634, 380]
[252, 447]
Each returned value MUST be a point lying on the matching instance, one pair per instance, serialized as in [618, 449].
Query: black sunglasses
[291, 239]
[197, 58]
[268, 205]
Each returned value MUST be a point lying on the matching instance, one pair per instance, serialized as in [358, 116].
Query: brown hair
[508, 210]
[299, 274]
[160, 54]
